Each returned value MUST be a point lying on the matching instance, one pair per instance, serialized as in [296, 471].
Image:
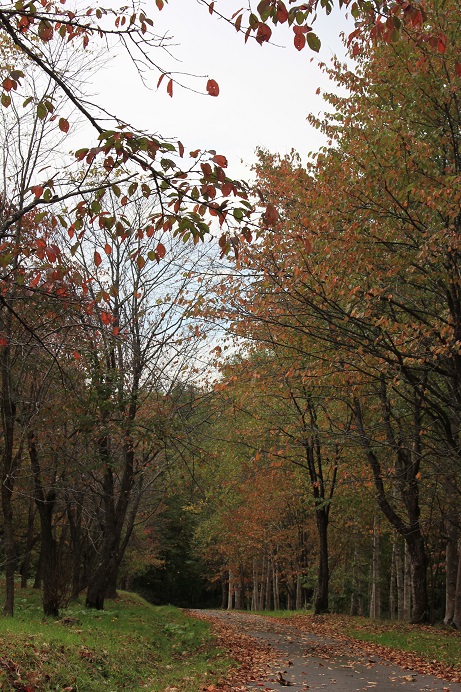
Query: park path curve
[302, 660]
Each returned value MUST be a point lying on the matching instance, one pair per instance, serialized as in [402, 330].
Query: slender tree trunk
[224, 592]
[375, 600]
[276, 583]
[8, 411]
[399, 575]
[238, 591]
[54, 585]
[406, 584]
[321, 601]
[451, 564]
[262, 591]
[457, 608]
[254, 594]
[299, 592]
[392, 585]
[268, 599]
[230, 599]
[30, 541]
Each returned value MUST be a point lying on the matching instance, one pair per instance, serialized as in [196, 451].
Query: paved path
[311, 662]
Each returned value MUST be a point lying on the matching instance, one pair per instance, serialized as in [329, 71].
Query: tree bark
[451, 560]
[375, 600]
[321, 601]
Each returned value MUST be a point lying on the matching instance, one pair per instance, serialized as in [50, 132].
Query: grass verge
[131, 645]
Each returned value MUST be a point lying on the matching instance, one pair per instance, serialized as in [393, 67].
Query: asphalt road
[310, 662]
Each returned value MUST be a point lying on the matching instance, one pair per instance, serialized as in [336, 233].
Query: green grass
[131, 645]
[434, 643]
[437, 644]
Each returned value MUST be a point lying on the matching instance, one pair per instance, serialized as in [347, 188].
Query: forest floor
[309, 653]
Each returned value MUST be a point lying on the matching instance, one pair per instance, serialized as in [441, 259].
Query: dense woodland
[269, 421]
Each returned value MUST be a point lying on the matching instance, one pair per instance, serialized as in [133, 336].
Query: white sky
[265, 95]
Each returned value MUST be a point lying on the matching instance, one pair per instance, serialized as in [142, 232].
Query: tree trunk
[392, 585]
[117, 518]
[399, 575]
[30, 541]
[54, 580]
[321, 601]
[299, 592]
[406, 585]
[230, 599]
[8, 411]
[375, 600]
[268, 599]
[254, 594]
[451, 564]
[457, 608]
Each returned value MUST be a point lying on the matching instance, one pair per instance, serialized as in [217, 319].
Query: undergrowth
[131, 645]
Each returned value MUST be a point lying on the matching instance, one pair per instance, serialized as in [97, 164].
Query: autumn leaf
[271, 215]
[220, 160]
[45, 30]
[97, 258]
[263, 33]
[63, 125]
[160, 250]
[212, 87]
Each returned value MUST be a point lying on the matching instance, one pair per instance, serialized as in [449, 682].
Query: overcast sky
[265, 95]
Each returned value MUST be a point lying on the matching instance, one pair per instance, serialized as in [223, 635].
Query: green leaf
[313, 41]
[42, 111]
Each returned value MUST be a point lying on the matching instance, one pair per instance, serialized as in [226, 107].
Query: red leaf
[77, 355]
[45, 31]
[160, 250]
[212, 87]
[180, 149]
[107, 249]
[299, 41]
[106, 317]
[97, 258]
[160, 79]
[37, 190]
[458, 68]
[194, 153]
[282, 14]
[271, 215]
[159, 4]
[211, 7]
[3, 341]
[169, 89]
[63, 125]
[115, 331]
[220, 160]
[8, 84]
[263, 34]
[50, 254]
